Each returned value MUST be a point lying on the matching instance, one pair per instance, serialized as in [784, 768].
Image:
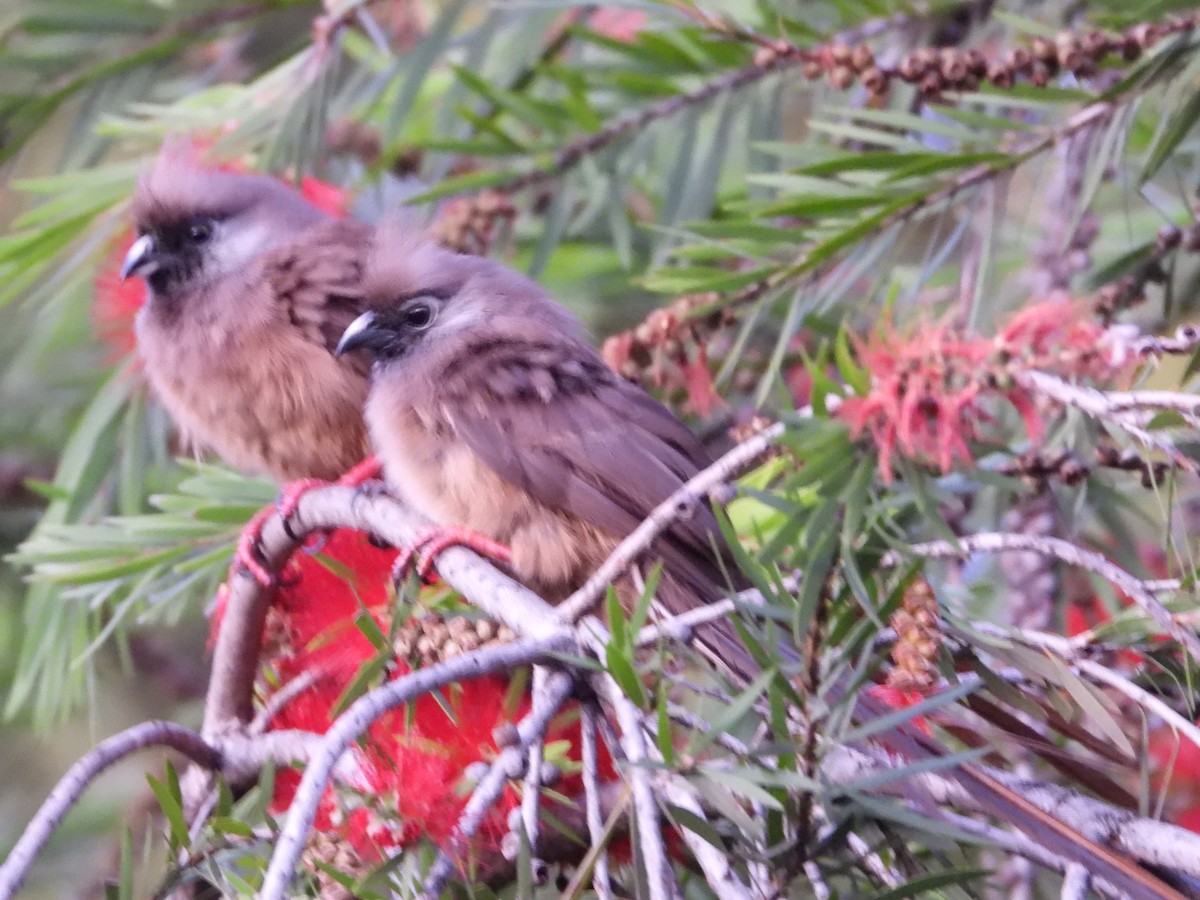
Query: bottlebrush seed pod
[875, 81]
[911, 69]
[953, 66]
[977, 63]
[1020, 60]
[841, 77]
[841, 54]
[862, 58]
[1044, 50]
[1000, 75]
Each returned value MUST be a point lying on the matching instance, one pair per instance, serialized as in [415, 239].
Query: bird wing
[317, 279]
[557, 422]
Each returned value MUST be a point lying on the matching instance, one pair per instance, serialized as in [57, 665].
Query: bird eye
[199, 231]
[419, 316]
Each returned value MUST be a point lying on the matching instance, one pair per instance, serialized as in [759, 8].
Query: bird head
[389, 334]
[196, 225]
[423, 296]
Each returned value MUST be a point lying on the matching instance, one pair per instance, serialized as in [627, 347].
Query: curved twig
[530, 731]
[996, 542]
[694, 491]
[353, 723]
[72, 785]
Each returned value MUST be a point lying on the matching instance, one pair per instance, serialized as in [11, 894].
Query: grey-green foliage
[806, 208]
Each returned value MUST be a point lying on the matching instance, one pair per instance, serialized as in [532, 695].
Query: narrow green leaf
[731, 714]
[623, 673]
[171, 803]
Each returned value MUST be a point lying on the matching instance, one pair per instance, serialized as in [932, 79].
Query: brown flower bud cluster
[468, 224]
[743, 431]
[325, 849]
[429, 639]
[1152, 471]
[363, 142]
[1036, 469]
[918, 640]
[655, 353]
[935, 70]
[1130, 289]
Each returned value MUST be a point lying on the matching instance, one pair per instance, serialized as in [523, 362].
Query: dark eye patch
[418, 315]
[198, 230]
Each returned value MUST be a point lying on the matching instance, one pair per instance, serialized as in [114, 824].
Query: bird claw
[289, 501]
[370, 469]
[421, 555]
[249, 555]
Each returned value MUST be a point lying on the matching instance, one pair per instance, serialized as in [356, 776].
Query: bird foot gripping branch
[248, 556]
[431, 542]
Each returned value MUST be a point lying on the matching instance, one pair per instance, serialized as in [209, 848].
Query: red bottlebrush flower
[921, 397]
[619, 24]
[1189, 818]
[1174, 765]
[897, 699]
[930, 391]
[701, 392]
[116, 303]
[331, 199]
[406, 778]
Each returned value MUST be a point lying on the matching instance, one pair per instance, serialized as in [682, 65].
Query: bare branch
[889, 876]
[1186, 340]
[696, 490]
[278, 701]
[72, 785]
[591, 799]
[1129, 411]
[714, 863]
[1147, 840]
[998, 542]
[532, 788]
[531, 730]
[817, 880]
[1077, 884]
[353, 723]
[235, 658]
[662, 883]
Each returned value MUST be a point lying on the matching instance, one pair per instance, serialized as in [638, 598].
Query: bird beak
[142, 258]
[359, 333]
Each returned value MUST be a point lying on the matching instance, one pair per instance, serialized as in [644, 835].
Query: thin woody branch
[1119, 409]
[764, 65]
[530, 731]
[72, 785]
[591, 797]
[1092, 116]
[353, 723]
[532, 788]
[1147, 840]
[1185, 340]
[661, 879]
[235, 657]
[1069, 553]
[696, 490]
